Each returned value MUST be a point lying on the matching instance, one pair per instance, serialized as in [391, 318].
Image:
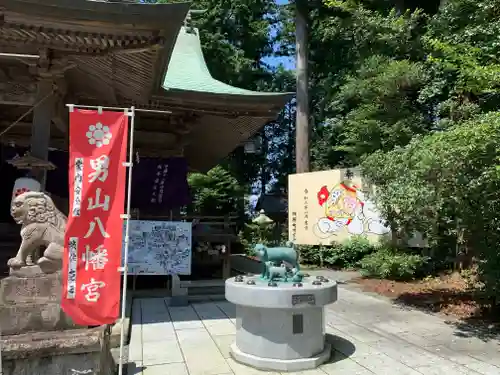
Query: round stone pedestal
[280, 327]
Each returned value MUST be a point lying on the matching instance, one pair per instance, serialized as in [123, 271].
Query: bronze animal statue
[277, 273]
[42, 224]
[279, 263]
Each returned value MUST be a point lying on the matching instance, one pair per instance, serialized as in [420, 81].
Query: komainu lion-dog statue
[43, 225]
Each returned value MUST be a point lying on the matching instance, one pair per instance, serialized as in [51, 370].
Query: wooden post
[40, 129]
[302, 113]
[40, 135]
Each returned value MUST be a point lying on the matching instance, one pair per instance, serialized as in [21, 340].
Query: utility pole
[302, 97]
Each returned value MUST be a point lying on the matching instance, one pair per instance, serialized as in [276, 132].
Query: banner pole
[118, 108]
[129, 164]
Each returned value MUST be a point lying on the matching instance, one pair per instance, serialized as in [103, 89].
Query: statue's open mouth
[15, 215]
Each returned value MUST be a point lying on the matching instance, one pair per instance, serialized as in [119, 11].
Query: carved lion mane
[36, 207]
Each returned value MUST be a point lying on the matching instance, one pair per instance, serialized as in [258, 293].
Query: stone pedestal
[281, 327]
[30, 301]
[71, 352]
[38, 338]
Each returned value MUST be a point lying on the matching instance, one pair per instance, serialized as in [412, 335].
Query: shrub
[392, 264]
[347, 254]
[350, 252]
[311, 255]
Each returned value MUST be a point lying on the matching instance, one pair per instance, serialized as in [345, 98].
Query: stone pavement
[370, 336]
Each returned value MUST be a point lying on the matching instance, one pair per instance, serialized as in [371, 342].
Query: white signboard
[159, 248]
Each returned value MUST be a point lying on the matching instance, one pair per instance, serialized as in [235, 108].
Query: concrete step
[206, 291]
[201, 283]
[203, 287]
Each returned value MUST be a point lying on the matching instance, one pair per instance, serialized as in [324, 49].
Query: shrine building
[113, 54]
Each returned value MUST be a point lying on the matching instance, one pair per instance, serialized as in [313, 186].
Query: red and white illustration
[346, 208]
[93, 240]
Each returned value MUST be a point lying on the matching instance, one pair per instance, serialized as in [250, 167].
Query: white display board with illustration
[328, 207]
[331, 206]
[159, 248]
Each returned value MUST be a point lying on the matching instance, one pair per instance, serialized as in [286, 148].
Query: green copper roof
[188, 70]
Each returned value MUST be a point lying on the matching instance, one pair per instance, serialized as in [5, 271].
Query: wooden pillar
[302, 113]
[40, 128]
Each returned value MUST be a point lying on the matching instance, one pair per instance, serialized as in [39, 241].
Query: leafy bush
[392, 264]
[347, 254]
[350, 252]
[312, 255]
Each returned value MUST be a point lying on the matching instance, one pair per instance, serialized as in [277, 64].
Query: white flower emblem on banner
[99, 135]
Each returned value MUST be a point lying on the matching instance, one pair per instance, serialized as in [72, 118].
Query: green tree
[379, 107]
[471, 22]
[383, 75]
[216, 193]
[278, 158]
[412, 95]
[352, 46]
[445, 179]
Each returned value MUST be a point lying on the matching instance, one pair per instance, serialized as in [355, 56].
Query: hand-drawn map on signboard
[159, 248]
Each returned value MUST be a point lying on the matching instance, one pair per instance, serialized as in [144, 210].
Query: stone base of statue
[280, 325]
[37, 337]
[71, 352]
[31, 301]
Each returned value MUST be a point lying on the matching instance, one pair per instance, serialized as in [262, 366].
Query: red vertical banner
[93, 239]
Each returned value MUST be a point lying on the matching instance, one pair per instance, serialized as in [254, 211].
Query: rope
[27, 113]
